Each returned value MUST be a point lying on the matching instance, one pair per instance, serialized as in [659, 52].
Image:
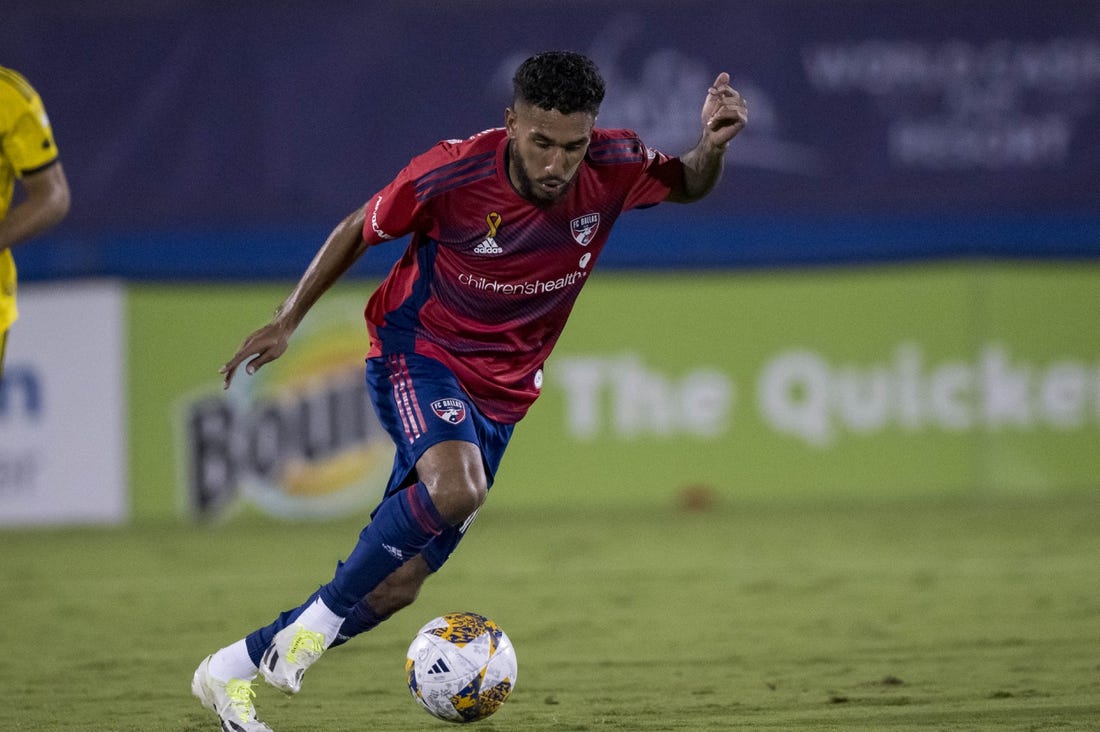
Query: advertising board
[64, 407]
[876, 383]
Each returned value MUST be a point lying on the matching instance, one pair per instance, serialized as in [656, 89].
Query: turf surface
[903, 616]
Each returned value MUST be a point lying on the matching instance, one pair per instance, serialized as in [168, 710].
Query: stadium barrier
[884, 382]
[64, 407]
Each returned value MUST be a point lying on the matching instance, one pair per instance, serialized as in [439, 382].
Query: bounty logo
[584, 228]
[450, 410]
[300, 437]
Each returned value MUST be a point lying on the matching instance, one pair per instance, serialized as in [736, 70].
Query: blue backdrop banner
[210, 139]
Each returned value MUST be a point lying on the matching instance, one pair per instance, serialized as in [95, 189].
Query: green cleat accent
[293, 650]
[231, 700]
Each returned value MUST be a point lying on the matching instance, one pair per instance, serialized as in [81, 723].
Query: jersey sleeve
[28, 144]
[394, 211]
[658, 175]
[404, 206]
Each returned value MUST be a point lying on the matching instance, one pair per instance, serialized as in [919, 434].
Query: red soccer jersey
[490, 278]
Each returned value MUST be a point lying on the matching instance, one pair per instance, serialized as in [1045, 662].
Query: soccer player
[28, 154]
[506, 227]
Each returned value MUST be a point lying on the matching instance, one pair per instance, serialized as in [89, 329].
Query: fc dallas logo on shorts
[450, 410]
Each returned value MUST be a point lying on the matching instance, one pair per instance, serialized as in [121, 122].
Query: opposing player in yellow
[28, 153]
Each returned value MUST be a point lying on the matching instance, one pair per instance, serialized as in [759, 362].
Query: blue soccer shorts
[420, 403]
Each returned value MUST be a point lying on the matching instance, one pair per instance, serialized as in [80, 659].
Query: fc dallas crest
[449, 410]
[584, 228]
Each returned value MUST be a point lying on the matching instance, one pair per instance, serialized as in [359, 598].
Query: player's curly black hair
[561, 80]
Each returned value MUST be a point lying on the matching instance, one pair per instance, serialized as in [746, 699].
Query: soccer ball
[461, 667]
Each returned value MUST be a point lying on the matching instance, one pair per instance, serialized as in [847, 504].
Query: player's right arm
[44, 206]
[27, 146]
[394, 212]
[341, 249]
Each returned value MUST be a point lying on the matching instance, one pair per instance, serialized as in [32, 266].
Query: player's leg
[440, 477]
[396, 592]
[401, 527]
[401, 399]
[401, 588]
[448, 453]
[223, 681]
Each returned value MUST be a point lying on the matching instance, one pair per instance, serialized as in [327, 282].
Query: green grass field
[943, 616]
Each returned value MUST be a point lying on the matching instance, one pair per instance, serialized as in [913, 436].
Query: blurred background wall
[900, 267]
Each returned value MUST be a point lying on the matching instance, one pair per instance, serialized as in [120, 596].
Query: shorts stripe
[404, 397]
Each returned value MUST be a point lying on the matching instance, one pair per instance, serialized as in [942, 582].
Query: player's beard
[526, 184]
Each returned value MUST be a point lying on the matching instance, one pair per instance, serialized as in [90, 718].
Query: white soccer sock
[233, 662]
[318, 617]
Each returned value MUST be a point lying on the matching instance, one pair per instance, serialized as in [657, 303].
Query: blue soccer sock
[258, 640]
[360, 619]
[402, 527]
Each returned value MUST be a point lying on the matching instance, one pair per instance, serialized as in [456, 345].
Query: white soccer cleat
[293, 649]
[231, 700]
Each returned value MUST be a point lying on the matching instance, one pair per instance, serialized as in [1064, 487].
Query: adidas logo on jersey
[488, 246]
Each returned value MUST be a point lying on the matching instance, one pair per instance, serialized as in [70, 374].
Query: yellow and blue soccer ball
[461, 667]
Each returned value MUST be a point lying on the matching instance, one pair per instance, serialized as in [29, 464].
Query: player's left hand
[724, 112]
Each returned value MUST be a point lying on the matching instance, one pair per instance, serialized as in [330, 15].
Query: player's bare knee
[457, 499]
[455, 477]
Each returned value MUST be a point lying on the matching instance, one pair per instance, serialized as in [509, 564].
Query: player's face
[546, 149]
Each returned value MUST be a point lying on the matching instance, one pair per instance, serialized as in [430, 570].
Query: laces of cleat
[306, 641]
[241, 694]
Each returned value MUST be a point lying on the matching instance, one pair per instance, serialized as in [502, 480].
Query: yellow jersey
[26, 146]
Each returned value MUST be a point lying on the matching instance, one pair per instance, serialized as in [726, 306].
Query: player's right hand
[261, 347]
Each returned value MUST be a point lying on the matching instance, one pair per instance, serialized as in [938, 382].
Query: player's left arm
[44, 206]
[724, 115]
